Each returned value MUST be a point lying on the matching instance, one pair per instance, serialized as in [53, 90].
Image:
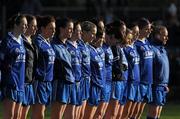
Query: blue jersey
[108, 61]
[125, 63]
[46, 57]
[85, 52]
[161, 65]
[133, 63]
[76, 60]
[146, 61]
[13, 62]
[101, 53]
[97, 67]
[63, 70]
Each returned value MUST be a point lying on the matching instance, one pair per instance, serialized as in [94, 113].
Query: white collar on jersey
[142, 40]
[73, 43]
[132, 46]
[14, 38]
[45, 40]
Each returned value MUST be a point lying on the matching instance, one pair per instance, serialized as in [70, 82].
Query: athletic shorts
[85, 87]
[133, 92]
[66, 92]
[29, 97]
[43, 92]
[94, 95]
[146, 92]
[106, 92]
[78, 91]
[118, 91]
[159, 95]
[12, 94]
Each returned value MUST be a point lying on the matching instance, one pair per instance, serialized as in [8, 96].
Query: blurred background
[166, 12]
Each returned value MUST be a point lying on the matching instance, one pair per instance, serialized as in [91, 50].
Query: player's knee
[119, 115]
[16, 115]
[114, 114]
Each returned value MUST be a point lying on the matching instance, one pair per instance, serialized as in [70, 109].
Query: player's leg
[112, 109]
[127, 109]
[8, 108]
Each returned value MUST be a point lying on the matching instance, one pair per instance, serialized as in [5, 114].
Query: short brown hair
[87, 26]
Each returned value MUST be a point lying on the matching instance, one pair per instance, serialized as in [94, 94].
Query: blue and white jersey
[46, 57]
[101, 53]
[108, 61]
[161, 65]
[63, 70]
[76, 60]
[146, 61]
[133, 63]
[97, 66]
[85, 52]
[13, 62]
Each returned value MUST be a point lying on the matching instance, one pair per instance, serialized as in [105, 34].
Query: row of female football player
[85, 70]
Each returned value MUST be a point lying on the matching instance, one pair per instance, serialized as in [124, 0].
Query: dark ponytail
[14, 20]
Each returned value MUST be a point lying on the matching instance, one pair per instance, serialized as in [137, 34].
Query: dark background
[164, 12]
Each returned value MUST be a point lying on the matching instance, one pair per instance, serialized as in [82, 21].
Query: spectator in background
[109, 16]
[172, 9]
[173, 24]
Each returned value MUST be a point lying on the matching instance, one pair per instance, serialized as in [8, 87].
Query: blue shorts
[159, 95]
[43, 92]
[54, 90]
[29, 97]
[118, 91]
[94, 95]
[146, 92]
[12, 94]
[106, 92]
[133, 92]
[85, 87]
[78, 91]
[66, 92]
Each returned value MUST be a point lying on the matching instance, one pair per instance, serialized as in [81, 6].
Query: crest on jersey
[17, 50]
[73, 53]
[132, 53]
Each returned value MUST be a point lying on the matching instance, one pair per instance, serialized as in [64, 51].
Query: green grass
[170, 111]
